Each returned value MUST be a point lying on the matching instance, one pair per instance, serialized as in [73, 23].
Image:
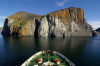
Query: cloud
[62, 3]
[3, 17]
[94, 24]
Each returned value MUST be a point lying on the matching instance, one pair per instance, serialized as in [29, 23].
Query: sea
[82, 51]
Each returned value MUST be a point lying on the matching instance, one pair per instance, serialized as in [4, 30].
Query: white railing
[66, 59]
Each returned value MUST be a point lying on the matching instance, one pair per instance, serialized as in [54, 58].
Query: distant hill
[98, 29]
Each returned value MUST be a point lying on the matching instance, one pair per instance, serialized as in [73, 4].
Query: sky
[42, 7]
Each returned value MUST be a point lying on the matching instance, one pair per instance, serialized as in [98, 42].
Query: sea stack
[61, 23]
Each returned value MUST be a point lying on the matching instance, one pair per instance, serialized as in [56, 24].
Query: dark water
[83, 51]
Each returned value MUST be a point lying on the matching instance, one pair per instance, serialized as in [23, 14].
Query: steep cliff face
[21, 24]
[66, 22]
[62, 23]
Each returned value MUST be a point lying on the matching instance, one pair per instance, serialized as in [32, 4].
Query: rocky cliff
[66, 22]
[21, 24]
[61, 23]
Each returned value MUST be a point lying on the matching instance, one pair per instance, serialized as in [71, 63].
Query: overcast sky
[91, 8]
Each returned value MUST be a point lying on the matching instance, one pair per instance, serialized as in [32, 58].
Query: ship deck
[48, 58]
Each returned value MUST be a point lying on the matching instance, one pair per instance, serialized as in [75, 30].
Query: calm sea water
[83, 51]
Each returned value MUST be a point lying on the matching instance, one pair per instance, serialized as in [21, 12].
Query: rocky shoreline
[61, 23]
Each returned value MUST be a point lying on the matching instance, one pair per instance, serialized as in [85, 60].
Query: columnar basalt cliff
[62, 23]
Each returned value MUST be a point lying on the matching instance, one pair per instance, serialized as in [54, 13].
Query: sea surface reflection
[15, 50]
